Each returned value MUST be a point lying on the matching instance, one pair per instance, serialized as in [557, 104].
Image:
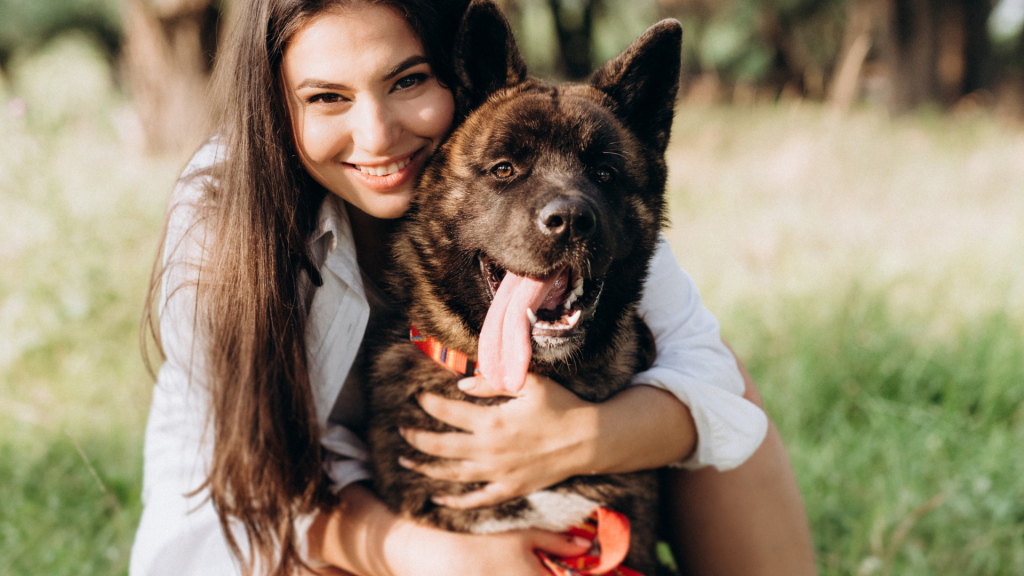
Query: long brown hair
[258, 212]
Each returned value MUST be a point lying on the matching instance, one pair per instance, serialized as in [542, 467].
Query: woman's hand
[540, 437]
[417, 550]
[546, 434]
[361, 536]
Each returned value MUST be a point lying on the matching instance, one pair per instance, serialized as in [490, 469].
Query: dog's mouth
[571, 299]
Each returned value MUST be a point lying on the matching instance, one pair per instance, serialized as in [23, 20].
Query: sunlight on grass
[868, 270]
[79, 218]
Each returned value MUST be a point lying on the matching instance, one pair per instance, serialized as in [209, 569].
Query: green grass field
[868, 270]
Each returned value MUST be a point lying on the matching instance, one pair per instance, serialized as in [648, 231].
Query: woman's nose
[377, 129]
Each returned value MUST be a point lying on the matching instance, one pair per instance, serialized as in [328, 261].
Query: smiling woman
[276, 238]
[364, 124]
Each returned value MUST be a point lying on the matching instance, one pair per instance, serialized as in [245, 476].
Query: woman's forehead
[361, 41]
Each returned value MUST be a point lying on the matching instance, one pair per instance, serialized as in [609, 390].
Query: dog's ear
[487, 58]
[643, 82]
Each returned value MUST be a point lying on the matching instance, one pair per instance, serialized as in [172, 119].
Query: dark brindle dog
[557, 187]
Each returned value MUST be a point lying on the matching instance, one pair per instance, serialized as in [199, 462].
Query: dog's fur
[600, 146]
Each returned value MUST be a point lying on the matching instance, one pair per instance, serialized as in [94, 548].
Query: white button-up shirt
[180, 535]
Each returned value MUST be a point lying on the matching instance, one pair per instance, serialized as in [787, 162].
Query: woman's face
[365, 107]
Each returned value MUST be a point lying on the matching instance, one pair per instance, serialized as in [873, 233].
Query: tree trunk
[168, 57]
[937, 50]
[977, 45]
[574, 29]
[911, 53]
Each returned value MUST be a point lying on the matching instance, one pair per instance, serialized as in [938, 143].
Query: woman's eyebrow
[405, 65]
[321, 84]
[401, 67]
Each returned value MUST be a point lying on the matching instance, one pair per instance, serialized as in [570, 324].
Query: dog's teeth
[570, 300]
[574, 318]
[531, 316]
[578, 284]
[578, 291]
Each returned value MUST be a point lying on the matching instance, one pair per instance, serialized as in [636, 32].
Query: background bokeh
[846, 187]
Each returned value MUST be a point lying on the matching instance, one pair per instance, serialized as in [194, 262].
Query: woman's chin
[385, 208]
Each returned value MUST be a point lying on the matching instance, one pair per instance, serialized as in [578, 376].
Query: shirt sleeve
[693, 364]
[180, 533]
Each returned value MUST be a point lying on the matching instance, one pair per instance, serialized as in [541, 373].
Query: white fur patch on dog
[554, 511]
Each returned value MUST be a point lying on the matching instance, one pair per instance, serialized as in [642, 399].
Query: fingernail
[404, 462]
[580, 541]
[437, 500]
[467, 384]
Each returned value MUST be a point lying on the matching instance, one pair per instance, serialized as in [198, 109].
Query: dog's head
[557, 182]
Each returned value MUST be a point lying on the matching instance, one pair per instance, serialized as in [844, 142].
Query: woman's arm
[363, 537]
[548, 434]
[749, 520]
[687, 409]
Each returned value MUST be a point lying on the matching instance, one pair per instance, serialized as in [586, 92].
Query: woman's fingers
[451, 445]
[323, 571]
[489, 495]
[456, 413]
[479, 387]
[558, 544]
[452, 470]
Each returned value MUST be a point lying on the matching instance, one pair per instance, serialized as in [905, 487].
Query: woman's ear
[643, 81]
[487, 58]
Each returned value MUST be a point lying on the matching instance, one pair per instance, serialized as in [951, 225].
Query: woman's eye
[503, 170]
[409, 81]
[604, 174]
[325, 98]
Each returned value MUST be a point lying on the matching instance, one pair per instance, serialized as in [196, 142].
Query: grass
[80, 213]
[867, 270]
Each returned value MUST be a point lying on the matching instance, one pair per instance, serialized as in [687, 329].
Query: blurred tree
[936, 50]
[574, 29]
[168, 56]
[26, 25]
[926, 50]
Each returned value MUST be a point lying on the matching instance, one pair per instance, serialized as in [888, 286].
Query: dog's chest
[552, 510]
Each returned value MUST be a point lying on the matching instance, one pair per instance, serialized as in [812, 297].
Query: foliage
[80, 212]
[26, 25]
[902, 442]
[866, 269]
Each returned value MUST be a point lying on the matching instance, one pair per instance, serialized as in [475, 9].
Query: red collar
[453, 359]
[611, 531]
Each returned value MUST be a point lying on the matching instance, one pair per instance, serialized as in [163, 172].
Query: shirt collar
[332, 246]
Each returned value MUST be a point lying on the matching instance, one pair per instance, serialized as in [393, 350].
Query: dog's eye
[604, 174]
[503, 170]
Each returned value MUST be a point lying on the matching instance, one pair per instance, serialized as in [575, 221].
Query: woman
[274, 243]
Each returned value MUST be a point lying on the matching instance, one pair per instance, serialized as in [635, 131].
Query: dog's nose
[567, 216]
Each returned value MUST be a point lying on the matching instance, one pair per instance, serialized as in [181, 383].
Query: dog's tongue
[505, 349]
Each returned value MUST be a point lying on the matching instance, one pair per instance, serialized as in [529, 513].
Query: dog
[532, 227]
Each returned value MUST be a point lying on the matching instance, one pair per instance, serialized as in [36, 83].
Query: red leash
[607, 530]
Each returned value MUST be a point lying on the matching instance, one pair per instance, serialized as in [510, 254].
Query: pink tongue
[505, 349]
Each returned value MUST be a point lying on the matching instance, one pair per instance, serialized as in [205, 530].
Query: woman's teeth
[383, 170]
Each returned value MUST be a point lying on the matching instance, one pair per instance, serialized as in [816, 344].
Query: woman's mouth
[388, 177]
[384, 170]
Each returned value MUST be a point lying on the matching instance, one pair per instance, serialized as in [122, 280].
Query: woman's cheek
[322, 137]
[437, 117]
